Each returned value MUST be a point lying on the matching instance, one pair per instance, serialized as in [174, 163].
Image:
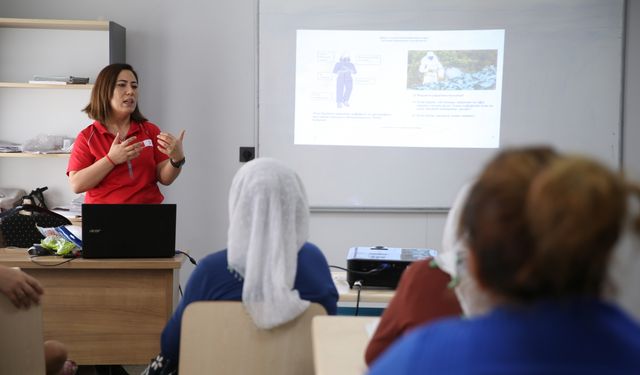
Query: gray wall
[197, 64]
[631, 115]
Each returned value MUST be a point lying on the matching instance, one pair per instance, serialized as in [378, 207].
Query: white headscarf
[268, 224]
[452, 260]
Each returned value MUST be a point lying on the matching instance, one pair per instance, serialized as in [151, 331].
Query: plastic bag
[70, 233]
[58, 244]
[9, 198]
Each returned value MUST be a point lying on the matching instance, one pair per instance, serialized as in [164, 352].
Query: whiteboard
[562, 86]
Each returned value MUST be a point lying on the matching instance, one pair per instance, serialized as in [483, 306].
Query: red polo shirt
[121, 185]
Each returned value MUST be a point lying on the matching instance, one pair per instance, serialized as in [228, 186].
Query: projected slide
[399, 88]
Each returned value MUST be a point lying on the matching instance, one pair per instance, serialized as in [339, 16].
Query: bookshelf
[49, 47]
[44, 86]
[32, 155]
[33, 23]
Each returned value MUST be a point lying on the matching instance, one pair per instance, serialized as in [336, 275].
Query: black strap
[36, 197]
[42, 211]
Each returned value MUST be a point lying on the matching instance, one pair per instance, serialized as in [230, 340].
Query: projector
[381, 266]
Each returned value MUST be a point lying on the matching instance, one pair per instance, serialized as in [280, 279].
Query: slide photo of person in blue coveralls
[344, 68]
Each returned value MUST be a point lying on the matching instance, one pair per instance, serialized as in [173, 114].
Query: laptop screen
[128, 230]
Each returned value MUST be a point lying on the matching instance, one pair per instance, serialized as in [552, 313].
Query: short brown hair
[99, 108]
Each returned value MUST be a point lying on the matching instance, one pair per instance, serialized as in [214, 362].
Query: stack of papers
[72, 211]
[60, 80]
[9, 147]
[68, 212]
[48, 152]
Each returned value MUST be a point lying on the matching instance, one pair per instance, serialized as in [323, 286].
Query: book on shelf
[59, 80]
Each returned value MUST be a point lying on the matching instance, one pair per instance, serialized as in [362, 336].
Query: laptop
[128, 230]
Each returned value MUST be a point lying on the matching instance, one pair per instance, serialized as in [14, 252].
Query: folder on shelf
[59, 80]
[6, 146]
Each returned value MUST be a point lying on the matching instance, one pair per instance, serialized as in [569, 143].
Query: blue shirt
[212, 281]
[575, 337]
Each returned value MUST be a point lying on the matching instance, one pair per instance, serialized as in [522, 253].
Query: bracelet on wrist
[110, 161]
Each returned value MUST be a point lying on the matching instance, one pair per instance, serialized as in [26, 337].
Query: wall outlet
[247, 154]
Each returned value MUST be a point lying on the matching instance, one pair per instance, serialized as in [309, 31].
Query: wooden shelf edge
[30, 155]
[21, 85]
[33, 23]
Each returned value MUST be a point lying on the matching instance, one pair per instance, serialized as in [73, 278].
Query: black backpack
[18, 225]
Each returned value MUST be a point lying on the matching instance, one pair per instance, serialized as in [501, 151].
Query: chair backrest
[21, 339]
[219, 337]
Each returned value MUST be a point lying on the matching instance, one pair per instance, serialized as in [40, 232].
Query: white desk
[339, 343]
[377, 298]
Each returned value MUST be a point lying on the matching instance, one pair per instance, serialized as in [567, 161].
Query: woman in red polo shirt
[121, 157]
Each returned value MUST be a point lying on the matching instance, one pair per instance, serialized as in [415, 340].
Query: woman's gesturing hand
[124, 150]
[170, 145]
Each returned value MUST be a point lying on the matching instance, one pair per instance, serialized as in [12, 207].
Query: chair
[219, 337]
[21, 339]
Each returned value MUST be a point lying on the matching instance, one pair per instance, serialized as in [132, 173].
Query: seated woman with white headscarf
[268, 263]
